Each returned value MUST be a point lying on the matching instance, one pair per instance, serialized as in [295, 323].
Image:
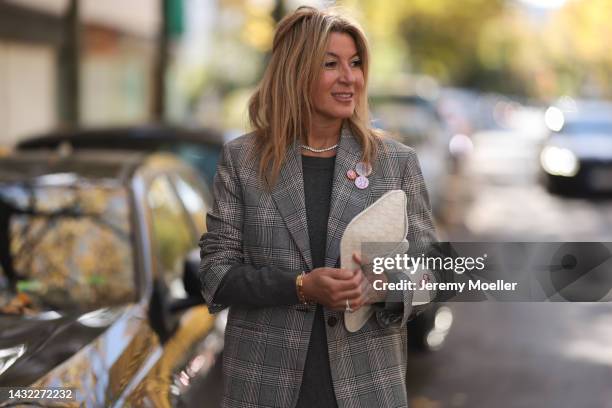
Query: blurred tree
[492, 45]
[576, 45]
[438, 38]
[444, 38]
[243, 31]
[510, 55]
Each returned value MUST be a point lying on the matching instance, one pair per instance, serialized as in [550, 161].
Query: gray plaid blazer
[265, 348]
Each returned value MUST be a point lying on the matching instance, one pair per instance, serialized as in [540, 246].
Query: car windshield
[64, 247]
[588, 127]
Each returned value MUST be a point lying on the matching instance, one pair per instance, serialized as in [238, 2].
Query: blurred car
[415, 122]
[577, 154]
[98, 277]
[198, 147]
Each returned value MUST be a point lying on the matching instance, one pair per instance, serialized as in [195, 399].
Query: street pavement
[518, 354]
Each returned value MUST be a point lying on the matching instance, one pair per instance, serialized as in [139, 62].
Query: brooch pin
[360, 175]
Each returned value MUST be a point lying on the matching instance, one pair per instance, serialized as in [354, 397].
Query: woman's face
[340, 83]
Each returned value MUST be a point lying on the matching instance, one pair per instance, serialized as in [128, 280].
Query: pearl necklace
[312, 149]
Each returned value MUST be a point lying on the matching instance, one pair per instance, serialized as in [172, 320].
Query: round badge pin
[362, 182]
[363, 169]
[351, 174]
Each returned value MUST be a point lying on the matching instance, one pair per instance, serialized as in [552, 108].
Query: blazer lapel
[288, 194]
[347, 200]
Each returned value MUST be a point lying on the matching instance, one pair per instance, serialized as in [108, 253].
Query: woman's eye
[334, 64]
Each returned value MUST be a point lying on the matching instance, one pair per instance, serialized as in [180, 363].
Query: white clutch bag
[385, 222]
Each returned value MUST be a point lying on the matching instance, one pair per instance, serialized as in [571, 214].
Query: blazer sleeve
[221, 245]
[225, 279]
[421, 233]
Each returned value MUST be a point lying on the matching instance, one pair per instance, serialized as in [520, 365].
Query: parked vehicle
[198, 147]
[577, 154]
[415, 122]
[98, 277]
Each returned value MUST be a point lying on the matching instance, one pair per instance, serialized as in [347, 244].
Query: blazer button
[332, 320]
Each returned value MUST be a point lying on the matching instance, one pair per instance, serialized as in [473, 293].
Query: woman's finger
[336, 273]
[360, 259]
[357, 258]
[339, 285]
[349, 294]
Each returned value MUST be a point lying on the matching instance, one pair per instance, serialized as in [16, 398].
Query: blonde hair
[280, 110]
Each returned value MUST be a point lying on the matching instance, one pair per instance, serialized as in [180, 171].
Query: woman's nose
[347, 74]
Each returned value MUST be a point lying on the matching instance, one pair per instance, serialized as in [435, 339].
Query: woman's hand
[372, 295]
[331, 287]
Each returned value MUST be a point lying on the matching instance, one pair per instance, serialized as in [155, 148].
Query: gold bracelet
[299, 285]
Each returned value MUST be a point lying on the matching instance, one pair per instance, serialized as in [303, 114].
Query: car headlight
[559, 161]
[554, 119]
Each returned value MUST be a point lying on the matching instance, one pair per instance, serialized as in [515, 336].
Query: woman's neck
[322, 136]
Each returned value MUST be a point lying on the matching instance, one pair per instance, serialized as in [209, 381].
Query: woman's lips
[343, 96]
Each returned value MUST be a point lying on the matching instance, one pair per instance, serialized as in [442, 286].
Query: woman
[283, 196]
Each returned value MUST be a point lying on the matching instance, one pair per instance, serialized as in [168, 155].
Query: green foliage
[439, 38]
[493, 45]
